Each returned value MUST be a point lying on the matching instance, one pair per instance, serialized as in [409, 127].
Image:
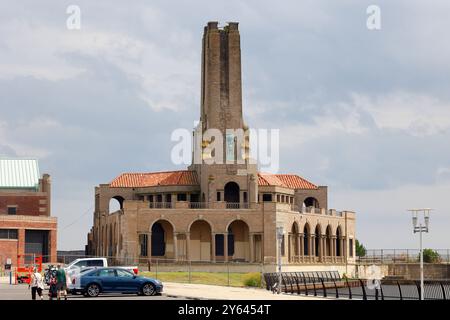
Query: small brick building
[26, 226]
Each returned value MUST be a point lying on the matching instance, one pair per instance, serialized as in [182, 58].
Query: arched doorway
[338, 242]
[162, 239]
[293, 244]
[238, 241]
[306, 237]
[200, 241]
[328, 242]
[231, 191]
[318, 235]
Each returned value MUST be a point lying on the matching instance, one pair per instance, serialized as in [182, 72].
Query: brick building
[220, 212]
[26, 225]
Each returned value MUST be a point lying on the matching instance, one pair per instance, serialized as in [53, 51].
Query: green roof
[19, 173]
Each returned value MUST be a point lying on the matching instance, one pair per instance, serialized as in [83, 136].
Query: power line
[79, 218]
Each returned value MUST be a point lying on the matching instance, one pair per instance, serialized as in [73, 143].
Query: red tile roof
[291, 181]
[189, 178]
[168, 178]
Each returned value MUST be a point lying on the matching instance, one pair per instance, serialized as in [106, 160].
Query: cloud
[366, 113]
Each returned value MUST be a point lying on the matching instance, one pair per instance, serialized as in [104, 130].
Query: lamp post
[421, 226]
[280, 235]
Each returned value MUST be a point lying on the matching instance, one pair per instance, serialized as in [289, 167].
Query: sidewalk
[203, 291]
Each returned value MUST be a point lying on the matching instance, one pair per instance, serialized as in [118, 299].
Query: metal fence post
[156, 270]
[400, 290]
[363, 289]
[228, 272]
[189, 270]
[349, 289]
[262, 273]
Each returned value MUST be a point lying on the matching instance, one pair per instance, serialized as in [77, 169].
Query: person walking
[36, 284]
[61, 283]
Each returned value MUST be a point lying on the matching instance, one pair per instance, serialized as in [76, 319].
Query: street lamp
[421, 226]
[280, 236]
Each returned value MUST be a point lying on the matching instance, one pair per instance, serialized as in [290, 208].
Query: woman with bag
[36, 284]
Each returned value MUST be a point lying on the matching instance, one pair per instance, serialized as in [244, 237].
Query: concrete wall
[412, 270]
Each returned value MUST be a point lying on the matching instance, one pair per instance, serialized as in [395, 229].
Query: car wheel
[148, 289]
[93, 290]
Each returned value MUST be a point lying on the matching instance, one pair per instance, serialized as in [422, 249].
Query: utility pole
[280, 235]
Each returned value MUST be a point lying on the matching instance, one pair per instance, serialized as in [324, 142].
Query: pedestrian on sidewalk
[61, 283]
[36, 284]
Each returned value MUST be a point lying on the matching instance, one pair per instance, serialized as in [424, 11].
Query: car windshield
[85, 270]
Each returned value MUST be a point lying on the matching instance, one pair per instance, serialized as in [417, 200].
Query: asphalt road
[21, 292]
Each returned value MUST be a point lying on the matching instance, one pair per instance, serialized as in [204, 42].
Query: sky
[365, 112]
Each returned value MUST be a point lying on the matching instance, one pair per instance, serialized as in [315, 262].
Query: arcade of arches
[317, 246]
[200, 244]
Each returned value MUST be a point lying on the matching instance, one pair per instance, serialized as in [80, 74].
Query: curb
[183, 297]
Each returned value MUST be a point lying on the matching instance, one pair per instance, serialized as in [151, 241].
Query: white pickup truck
[77, 267]
[83, 263]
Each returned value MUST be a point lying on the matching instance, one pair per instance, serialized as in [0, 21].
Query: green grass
[212, 278]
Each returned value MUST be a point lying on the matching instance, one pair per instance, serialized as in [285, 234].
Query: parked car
[116, 279]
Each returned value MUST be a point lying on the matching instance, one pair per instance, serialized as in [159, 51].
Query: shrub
[252, 279]
[360, 249]
[430, 256]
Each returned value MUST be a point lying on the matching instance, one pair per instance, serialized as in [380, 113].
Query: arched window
[231, 191]
[311, 202]
[116, 204]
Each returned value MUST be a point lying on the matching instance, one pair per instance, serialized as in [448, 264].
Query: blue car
[108, 280]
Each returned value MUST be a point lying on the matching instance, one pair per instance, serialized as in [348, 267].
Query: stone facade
[221, 211]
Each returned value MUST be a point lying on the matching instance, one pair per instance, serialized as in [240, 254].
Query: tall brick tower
[221, 109]
[221, 95]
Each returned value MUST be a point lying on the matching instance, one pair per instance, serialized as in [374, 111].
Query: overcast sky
[366, 112]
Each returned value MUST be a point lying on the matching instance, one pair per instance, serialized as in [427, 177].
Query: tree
[360, 249]
[430, 256]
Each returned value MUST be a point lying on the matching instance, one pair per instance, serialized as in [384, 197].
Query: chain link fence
[392, 256]
[223, 273]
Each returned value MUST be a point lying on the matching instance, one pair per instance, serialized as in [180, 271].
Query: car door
[126, 281]
[107, 279]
